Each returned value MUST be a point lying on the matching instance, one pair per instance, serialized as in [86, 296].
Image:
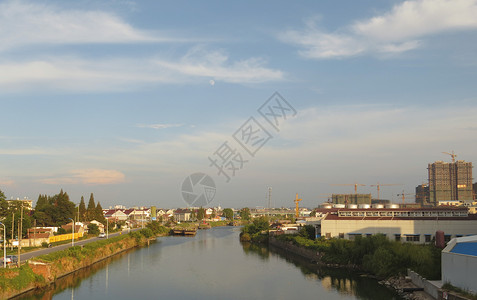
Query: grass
[449, 287]
[24, 277]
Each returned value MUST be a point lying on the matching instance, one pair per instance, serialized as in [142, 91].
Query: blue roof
[465, 248]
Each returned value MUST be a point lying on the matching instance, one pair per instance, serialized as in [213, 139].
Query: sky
[128, 99]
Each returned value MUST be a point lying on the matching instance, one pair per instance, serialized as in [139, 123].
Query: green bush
[375, 254]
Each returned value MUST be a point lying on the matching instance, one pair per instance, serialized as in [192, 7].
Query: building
[351, 198]
[450, 181]
[422, 194]
[115, 215]
[26, 203]
[459, 262]
[182, 215]
[417, 225]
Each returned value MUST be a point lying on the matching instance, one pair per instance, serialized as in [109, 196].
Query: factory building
[417, 225]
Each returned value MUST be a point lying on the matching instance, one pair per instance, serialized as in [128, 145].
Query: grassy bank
[375, 254]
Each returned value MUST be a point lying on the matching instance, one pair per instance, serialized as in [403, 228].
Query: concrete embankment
[43, 271]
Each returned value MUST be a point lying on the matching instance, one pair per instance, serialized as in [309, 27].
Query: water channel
[211, 265]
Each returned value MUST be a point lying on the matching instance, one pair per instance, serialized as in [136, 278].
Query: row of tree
[49, 211]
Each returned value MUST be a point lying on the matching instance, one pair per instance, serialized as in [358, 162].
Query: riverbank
[401, 284]
[44, 270]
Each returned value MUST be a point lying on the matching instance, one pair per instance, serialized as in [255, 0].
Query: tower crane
[296, 203]
[355, 185]
[404, 195]
[378, 185]
[452, 155]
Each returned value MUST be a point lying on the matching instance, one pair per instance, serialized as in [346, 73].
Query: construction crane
[404, 196]
[378, 185]
[296, 203]
[355, 185]
[452, 155]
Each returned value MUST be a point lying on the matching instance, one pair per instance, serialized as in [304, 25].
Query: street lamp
[4, 246]
[107, 228]
[73, 233]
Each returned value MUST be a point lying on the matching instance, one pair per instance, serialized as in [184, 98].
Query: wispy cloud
[200, 62]
[87, 176]
[70, 73]
[26, 23]
[6, 182]
[159, 126]
[401, 29]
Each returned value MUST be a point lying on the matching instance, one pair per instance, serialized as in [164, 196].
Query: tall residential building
[450, 181]
[422, 194]
[351, 198]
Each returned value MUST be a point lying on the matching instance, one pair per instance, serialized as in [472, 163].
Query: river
[211, 265]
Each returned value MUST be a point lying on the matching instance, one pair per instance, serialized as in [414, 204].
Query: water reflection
[73, 280]
[211, 265]
[331, 279]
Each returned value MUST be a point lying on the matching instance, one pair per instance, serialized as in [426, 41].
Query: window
[413, 238]
[341, 235]
[328, 235]
[428, 238]
[352, 236]
[397, 237]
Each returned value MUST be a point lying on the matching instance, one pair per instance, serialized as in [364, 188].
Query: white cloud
[26, 23]
[199, 62]
[71, 73]
[87, 176]
[159, 126]
[396, 31]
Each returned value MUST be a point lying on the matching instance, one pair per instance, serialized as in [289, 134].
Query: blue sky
[125, 99]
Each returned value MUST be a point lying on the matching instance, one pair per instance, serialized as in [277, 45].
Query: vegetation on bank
[255, 231]
[19, 278]
[375, 254]
[449, 287]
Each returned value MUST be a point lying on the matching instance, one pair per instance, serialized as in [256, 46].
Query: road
[35, 253]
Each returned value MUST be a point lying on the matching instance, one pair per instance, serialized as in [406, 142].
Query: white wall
[460, 270]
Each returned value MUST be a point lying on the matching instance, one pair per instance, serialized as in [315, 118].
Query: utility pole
[4, 246]
[13, 227]
[20, 224]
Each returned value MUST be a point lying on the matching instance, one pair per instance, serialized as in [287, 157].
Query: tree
[82, 210]
[245, 213]
[93, 229]
[3, 205]
[201, 213]
[228, 213]
[99, 214]
[54, 211]
[90, 212]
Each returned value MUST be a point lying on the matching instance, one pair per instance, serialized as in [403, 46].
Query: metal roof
[469, 248]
